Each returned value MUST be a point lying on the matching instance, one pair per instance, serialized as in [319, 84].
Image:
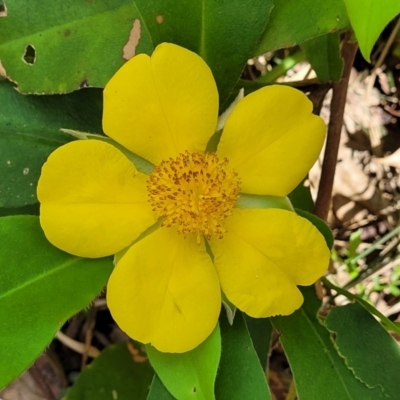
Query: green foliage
[66, 42]
[315, 363]
[131, 27]
[158, 391]
[118, 373]
[189, 375]
[294, 22]
[33, 122]
[323, 53]
[301, 198]
[260, 330]
[40, 288]
[386, 322]
[256, 201]
[369, 350]
[368, 19]
[351, 253]
[213, 29]
[240, 375]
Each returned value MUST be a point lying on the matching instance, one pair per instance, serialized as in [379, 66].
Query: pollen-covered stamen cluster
[194, 193]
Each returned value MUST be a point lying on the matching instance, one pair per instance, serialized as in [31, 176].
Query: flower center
[194, 193]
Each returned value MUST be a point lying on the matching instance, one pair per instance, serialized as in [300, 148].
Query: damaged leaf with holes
[57, 47]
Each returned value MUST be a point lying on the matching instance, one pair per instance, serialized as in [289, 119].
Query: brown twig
[317, 95]
[88, 328]
[338, 103]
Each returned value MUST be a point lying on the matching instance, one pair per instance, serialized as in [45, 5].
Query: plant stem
[322, 204]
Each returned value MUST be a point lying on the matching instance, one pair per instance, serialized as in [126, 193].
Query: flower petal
[165, 291]
[160, 106]
[93, 201]
[264, 255]
[271, 140]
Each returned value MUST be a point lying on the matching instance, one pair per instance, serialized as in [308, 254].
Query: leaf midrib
[78, 21]
[39, 277]
[326, 352]
[51, 27]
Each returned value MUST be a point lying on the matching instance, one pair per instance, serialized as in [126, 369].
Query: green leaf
[40, 288]
[301, 198]
[294, 22]
[29, 132]
[189, 375]
[31, 209]
[71, 51]
[224, 33]
[368, 19]
[316, 366]
[385, 321]
[263, 201]
[158, 391]
[240, 375]
[118, 373]
[368, 350]
[323, 53]
[232, 30]
[260, 330]
[70, 44]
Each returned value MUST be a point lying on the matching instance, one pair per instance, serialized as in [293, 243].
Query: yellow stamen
[194, 193]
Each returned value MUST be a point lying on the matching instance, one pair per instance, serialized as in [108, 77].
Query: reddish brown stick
[338, 103]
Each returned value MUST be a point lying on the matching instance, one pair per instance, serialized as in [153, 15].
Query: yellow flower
[181, 233]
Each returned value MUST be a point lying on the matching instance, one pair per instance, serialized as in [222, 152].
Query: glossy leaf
[189, 375]
[233, 30]
[323, 53]
[120, 372]
[29, 132]
[31, 209]
[316, 366]
[57, 47]
[240, 375]
[158, 391]
[40, 288]
[367, 348]
[223, 33]
[294, 22]
[301, 198]
[260, 330]
[368, 19]
[385, 321]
